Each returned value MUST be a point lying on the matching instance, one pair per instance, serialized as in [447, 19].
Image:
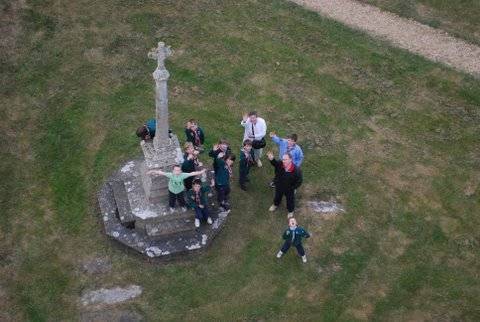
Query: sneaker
[197, 222]
[304, 258]
[279, 254]
[172, 210]
[290, 215]
[184, 209]
[272, 208]
[259, 163]
[209, 220]
[272, 184]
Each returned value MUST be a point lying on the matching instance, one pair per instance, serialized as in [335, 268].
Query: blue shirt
[295, 151]
[152, 126]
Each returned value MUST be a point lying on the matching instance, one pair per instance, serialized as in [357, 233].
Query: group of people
[190, 191]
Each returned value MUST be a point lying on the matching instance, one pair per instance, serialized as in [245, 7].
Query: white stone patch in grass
[204, 239]
[115, 234]
[111, 296]
[128, 167]
[326, 207]
[215, 224]
[155, 251]
[194, 246]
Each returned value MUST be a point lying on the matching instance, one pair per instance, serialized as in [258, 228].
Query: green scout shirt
[175, 184]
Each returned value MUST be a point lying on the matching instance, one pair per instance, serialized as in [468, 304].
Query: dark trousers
[289, 195]
[172, 197]
[243, 177]
[188, 183]
[288, 243]
[201, 213]
[222, 195]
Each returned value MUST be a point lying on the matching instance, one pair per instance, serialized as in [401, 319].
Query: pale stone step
[122, 202]
[171, 227]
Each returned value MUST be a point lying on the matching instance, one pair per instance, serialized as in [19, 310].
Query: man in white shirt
[255, 130]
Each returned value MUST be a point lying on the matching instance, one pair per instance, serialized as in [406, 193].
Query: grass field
[395, 138]
[460, 18]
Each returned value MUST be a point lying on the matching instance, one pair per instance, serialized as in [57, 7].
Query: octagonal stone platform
[145, 224]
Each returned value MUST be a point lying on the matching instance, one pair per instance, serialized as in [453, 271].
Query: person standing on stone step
[293, 235]
[190, 163]
[176, 187]
[195, 134]
[255, 130]
[221, 147]
[197, 199]
[288, 178]
[288, 145]
[146, 132]
[246, 162]
[223, 163]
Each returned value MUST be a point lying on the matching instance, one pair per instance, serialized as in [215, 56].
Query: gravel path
[415, 37]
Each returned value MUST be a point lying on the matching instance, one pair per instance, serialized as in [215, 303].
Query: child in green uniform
[293, 236]
[197, 199]
[176, 186]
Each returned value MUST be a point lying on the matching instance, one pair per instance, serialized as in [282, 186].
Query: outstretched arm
[196, 173]
[157, 172]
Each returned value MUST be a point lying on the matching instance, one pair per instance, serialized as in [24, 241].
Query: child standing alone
[176, 186]
[293, 235]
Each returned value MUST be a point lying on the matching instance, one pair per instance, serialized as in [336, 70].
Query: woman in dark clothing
[287, 179]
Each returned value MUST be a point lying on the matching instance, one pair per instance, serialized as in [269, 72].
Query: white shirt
[260, 129]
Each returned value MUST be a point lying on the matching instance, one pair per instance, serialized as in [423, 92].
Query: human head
[176, 169]
[142, 132]
[193, 124]
[292, 222]
[247, 145]
[223, 143]
[196, 185]
[287, 159]
[252, 115]
[229, 159]
[292, 139]
[188, 147]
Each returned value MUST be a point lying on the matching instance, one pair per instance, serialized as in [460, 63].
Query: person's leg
[181, 199]
[290, 196]
[198, 213]
[243, 177]
[278, 197]
[171, 199]
[286, 246]
[220, 195]
[226, 204]
[300, 250]
[205, 213]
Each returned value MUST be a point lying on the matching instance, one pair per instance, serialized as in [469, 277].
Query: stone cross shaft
[161, 76]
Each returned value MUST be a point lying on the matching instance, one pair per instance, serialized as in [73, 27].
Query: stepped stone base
[145, 224]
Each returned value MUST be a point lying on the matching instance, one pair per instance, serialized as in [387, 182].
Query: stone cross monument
[161, 76]
[165, 150]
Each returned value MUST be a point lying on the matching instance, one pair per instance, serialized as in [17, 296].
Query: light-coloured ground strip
[415, 37]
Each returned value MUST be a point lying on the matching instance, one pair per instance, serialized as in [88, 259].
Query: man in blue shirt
[288, 145]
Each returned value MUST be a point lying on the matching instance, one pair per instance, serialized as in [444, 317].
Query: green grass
[394, 137]
[459, 18]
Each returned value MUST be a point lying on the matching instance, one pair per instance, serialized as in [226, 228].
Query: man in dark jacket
[287, 179]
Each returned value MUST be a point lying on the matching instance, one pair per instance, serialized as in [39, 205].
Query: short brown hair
[293, 137]
[142, 132]
[252, 113]
[247, 142]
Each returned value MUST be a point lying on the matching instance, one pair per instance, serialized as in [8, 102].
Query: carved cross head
[160, 54]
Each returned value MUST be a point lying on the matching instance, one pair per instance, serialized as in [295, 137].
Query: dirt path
[420, 39]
